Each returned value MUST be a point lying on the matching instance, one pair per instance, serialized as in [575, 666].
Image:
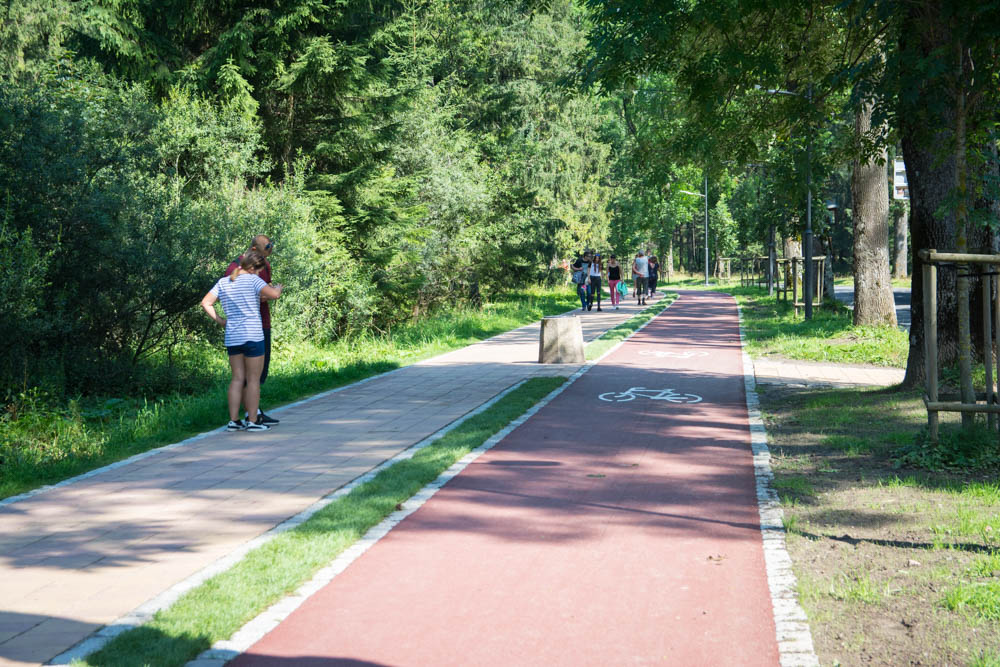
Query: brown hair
[251, 261]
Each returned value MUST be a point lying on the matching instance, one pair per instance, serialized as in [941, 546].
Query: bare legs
[245, 385]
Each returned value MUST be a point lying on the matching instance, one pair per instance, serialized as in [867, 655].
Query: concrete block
[561, 341]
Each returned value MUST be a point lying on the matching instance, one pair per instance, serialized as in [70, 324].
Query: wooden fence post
[988, 347]
[930, 346]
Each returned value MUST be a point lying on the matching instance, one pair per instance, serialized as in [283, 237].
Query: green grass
[614, 336]
[43, 441]
[848, 444]
[796, 484]
[856, 587]
[216, 609]
[979, 598]
[986, 659]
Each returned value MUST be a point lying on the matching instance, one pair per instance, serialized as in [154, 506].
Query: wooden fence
[932, 259]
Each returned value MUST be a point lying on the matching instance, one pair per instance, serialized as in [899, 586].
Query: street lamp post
[810, 277]
[808, 280]
[698, 194]
[706, 230]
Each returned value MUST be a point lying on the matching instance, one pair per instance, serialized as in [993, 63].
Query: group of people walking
[588, 272]
[244, 292]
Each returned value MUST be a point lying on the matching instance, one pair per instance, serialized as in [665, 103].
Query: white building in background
[900, 188]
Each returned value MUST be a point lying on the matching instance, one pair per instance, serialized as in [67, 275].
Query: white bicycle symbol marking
[632, 393]
[686, 354]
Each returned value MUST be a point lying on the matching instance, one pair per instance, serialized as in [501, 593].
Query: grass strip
[612, 337]
[223, 604]
[49, 442]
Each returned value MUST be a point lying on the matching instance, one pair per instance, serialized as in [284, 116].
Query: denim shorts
[251, 348]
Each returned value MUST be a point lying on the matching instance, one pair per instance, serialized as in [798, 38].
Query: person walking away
[240, 293]
[264, 246]
[614, 277]
[635, 289]
[654, 274]
[581, 269]
[595, 275]
[640, 270]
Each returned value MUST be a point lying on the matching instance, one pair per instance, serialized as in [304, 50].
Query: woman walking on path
[240, 294]
[614, 277]
[595, 273]
[654, 274]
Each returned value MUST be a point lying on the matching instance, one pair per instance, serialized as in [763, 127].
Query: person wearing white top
[640, 270]
[596, 268]
[239, 294]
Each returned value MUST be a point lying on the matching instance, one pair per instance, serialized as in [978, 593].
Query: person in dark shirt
[581, 269]
[614, 277]
[654, 274]
[265, 246]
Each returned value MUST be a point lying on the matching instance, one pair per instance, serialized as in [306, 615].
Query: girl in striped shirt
[240, 293]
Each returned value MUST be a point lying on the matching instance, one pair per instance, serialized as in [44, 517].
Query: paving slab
[795, 373]
[129, 533]
[618, 525]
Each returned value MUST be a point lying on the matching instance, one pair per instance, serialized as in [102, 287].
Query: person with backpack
[654, 274]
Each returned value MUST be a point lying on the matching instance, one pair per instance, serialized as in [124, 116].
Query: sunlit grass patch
[985, 566]
[856, 587]
[979, 598]
[792, 488]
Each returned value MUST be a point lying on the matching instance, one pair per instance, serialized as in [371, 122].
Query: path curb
[795, 645]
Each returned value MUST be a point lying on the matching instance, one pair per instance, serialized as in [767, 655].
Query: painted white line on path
[255, 630]
[795, 645]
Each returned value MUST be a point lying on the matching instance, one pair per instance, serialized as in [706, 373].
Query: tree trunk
[670, 260]
[962, 245]
[873, 300]
[792, 248]
[902, 227]
[926, 126]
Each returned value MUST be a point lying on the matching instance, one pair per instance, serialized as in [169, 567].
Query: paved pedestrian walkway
[618, 525]
[795, 373]
[77, 557]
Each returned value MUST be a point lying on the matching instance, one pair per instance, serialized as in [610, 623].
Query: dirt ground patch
[896, 565]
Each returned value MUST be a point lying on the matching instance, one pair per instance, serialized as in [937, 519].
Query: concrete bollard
[561, 341]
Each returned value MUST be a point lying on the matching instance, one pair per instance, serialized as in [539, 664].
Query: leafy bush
[972, 448]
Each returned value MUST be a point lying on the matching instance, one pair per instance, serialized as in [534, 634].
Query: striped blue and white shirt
[240, 300]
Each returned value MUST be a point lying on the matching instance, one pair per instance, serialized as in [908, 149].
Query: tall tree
[873, 298]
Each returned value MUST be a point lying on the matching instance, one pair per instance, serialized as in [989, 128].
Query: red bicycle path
[596, 533]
